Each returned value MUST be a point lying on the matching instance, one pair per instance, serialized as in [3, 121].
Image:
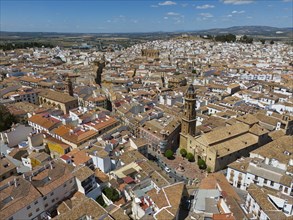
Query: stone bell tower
[188, 124]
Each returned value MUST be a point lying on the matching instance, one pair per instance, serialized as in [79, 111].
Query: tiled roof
[43, 121]
[57, 96]
[21, 196]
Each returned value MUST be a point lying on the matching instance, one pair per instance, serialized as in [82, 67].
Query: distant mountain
[237, 30]
[250, 30]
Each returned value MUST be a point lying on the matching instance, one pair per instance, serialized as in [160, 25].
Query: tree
[169, 154]
[226, 38]
[201, 164]
[193, 71]
[111, 193]
[209, 169]
[183, 152]
[6, 118]
[101, 201]
[263, 41]
[246, 39]
[190, 157]
[272, 42]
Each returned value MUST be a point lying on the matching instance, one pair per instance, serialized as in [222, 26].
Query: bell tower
[69, 86]
[188, 123]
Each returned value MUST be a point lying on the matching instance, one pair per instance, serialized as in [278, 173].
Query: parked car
[167, 169]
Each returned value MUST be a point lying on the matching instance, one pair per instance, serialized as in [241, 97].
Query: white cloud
[237, 2]
[179, 19]
[154, 6]
[229, 16]
[205, 6]
[166, 18]
[173, 14]
[287, 0]
[184, 5]
[167, 3]
[206, 15]
[238, 12]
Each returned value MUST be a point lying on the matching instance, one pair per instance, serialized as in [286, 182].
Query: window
[30, 214]
[53, 200]
[11, 218]
[45, 197]
[272, 183]
[64, 185]
[36, 202]
[46, 205]
[52, 193]
[265, 181]
[38, 209]
[28, 207]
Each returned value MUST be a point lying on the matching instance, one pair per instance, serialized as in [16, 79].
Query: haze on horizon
[112, 16]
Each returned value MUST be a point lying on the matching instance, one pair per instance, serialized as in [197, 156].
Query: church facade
[223, 145]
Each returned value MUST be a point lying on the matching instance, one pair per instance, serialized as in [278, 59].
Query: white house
[15, 135]
[86, 183]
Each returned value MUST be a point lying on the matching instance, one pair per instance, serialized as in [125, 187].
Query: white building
[266, 204]
[86, 183]
[15, 135]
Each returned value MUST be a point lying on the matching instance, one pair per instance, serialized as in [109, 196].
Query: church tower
[69, 87]
[189, 116]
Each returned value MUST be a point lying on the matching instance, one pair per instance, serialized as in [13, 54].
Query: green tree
[111, 193]
[169, 154]
[183, 152]
[272, 42]
[6, 118]
[193, 71]
[263, 41]
[246, 39]
[226, 38]
[190, 157]
[101, 201]
[201, 164]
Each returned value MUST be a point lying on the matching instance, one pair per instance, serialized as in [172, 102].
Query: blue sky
[108, 16]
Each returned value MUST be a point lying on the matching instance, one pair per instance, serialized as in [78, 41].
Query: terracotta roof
[80, 136]
[248, 119]
[260, 195]
[167, 200]
[82, 173]
[44, 121]
[57, 96]
[279, 149]
[20, 196]
[85, 207]
[58, 172]
[103, 123]
[78, 157]
[211, 181]
[54, 140]
[225, 133]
